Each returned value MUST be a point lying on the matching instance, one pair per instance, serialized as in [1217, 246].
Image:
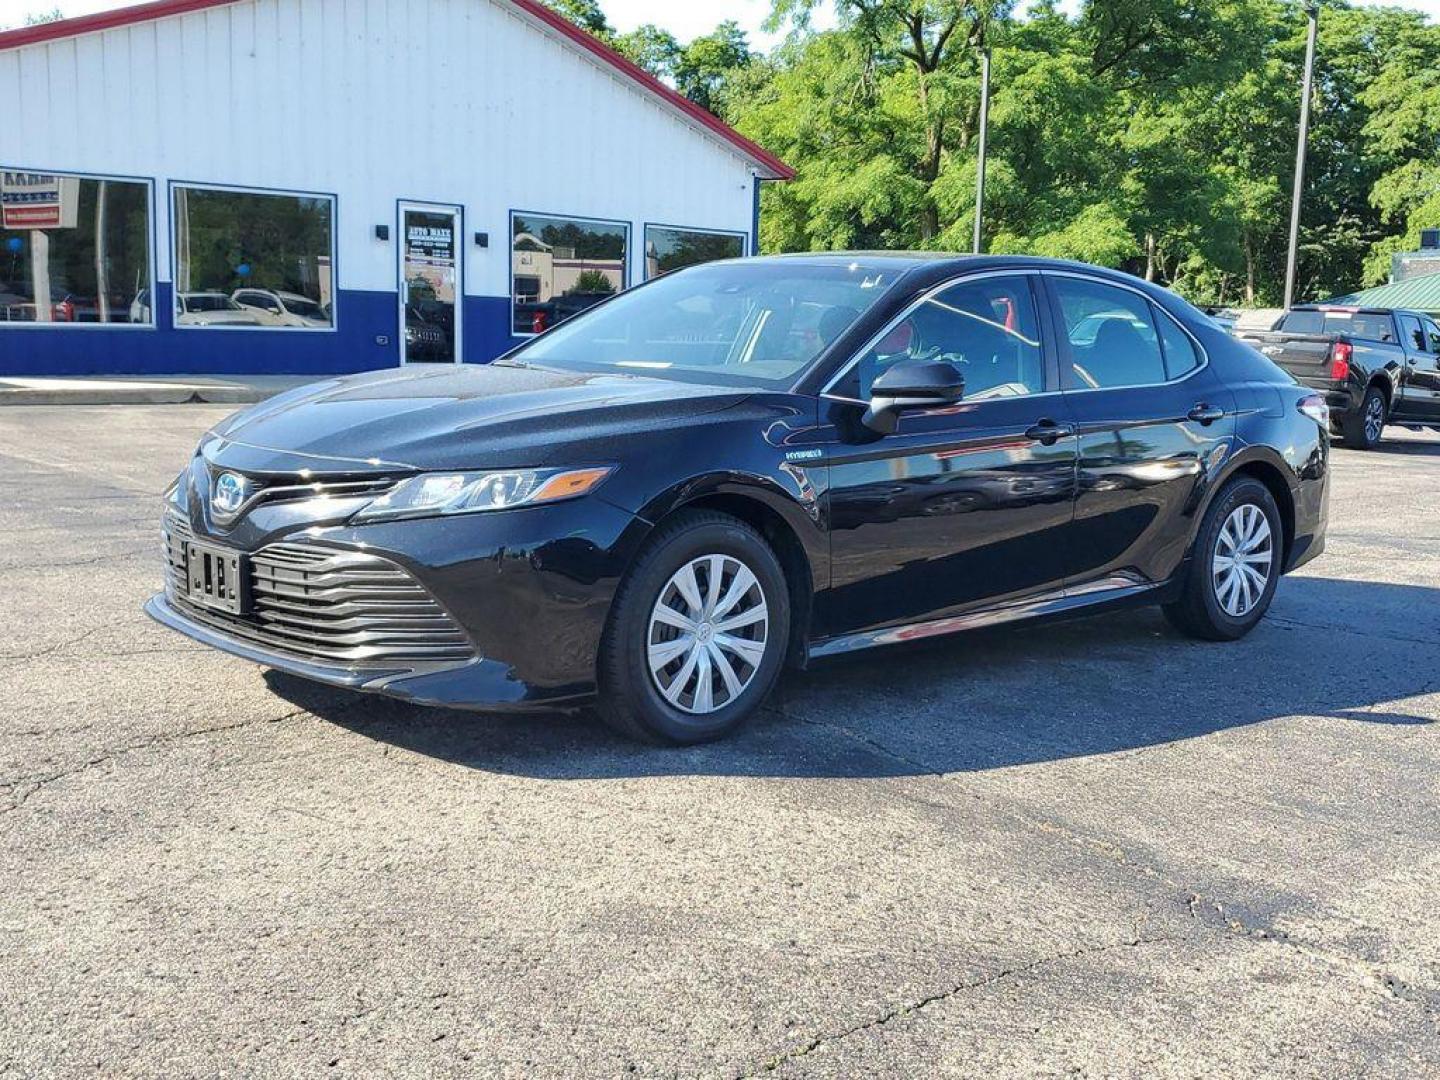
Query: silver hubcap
[708, 634]
[1374, 418]
[1244, 554]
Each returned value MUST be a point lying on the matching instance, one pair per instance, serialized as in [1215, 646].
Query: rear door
[1150, 413]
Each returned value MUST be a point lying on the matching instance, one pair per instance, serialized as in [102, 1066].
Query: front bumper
[529, 588]
[473, 684]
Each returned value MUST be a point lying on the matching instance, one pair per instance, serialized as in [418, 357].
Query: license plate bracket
[217, 577]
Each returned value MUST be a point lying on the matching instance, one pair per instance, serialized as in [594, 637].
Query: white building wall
[451, 101]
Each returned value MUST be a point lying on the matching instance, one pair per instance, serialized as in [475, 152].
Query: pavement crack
[878, 747]
[1336, 629]
[49, 649]
[913, 1007]
[22, 788]
[107, 557]
[1214, 915]
[1217, 916]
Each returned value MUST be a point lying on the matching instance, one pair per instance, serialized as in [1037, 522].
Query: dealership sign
[37, 200]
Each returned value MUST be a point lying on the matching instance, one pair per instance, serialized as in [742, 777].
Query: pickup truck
[1374, 365]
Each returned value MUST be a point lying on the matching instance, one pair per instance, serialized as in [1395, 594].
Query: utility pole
[984, 131]
[1314, 13]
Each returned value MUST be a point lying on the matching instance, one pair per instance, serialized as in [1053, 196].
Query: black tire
[1199, 611]
[1361, 430]
[630, 699]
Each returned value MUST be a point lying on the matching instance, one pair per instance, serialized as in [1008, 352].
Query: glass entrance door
[430, 284]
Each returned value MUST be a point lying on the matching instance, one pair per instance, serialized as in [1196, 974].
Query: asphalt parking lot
[1093, 849]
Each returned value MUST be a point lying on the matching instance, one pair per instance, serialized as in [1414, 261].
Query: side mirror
[911, 384]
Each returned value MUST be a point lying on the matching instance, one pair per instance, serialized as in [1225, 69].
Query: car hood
[454, 417]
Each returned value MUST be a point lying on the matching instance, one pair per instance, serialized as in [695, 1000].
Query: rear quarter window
[1303, 322]
[1181, 355]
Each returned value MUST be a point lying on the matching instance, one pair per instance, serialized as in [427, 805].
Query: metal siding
[449, 101]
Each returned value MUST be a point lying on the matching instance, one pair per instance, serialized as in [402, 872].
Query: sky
[684, 20]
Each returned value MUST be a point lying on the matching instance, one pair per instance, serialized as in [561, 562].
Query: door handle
[1206, 414]
[1047, 432]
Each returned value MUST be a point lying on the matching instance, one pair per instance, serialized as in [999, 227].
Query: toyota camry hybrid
[659, 504]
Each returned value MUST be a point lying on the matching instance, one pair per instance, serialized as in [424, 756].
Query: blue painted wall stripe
[364, 318]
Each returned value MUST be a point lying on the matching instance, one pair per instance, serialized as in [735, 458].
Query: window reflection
[561, 266]
[986, 327]
[1112, 338]
[269, 255]
[73, 249]
[669, 249]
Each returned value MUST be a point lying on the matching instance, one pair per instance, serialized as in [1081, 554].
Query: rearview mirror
[911, 384]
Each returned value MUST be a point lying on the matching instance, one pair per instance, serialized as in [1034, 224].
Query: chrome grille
[351, 487]
[327, 605]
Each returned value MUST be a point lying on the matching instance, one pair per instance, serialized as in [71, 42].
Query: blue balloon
[243, 269]
[14, 243]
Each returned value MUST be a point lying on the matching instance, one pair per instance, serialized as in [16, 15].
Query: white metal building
[338, 185]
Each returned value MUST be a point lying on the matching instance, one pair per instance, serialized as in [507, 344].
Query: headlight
[470, 492]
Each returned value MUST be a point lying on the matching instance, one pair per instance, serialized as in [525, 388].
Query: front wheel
[697, 632]
[1235, 567]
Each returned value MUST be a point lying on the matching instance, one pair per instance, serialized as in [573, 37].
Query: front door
[431, 284]
[962, 507]
[1419, 397]
[1152, 419]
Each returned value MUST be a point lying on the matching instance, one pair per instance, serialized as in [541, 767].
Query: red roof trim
[103, 20]
[159, 9]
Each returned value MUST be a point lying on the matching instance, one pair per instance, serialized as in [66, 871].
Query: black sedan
[656, 506]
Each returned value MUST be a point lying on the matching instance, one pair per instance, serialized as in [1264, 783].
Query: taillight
[1340, 354]
[1313, 406]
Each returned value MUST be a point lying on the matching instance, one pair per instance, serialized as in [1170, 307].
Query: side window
[987, 327]
[1111, 336]
[1433, 333]
[1411, 336]
[1181, 355]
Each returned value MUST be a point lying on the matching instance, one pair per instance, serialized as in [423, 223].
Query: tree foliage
[1153, 135]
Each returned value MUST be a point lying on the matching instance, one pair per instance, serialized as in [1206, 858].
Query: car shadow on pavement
[1406, 448]
[1337, 650]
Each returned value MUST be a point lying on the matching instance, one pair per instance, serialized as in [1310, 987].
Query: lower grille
[326, 605]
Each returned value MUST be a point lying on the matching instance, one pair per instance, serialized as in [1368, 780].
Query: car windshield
[306, 309]
[735, 322]
[208, 302]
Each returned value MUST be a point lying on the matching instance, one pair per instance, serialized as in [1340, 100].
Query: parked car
[212, 309]
[658, 504]
[1375, 365]
[282, 308]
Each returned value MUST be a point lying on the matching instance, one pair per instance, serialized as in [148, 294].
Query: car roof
[1355, 309]
[941, 263]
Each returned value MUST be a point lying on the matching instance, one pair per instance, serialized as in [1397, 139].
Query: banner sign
[38, 201]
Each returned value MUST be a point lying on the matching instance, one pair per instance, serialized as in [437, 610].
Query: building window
[669, 249]
[246, 259]
[561, 266]
[74, 249]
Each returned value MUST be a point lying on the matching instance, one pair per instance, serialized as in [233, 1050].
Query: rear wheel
[697, 632]
[1364, 429]
[1235, 567]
